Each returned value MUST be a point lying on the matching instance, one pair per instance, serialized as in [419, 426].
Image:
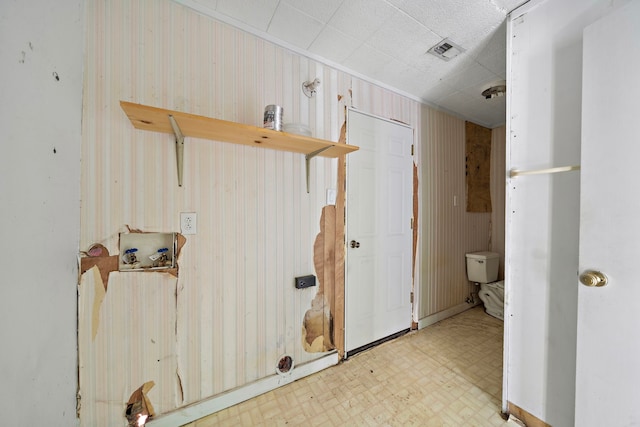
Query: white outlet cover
[188, 223]
[331, 196]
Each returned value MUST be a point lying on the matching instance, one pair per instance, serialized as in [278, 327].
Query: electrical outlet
[305, 281]
[188, 222]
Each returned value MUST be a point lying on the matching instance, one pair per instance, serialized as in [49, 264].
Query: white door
[608, 339]
[378, 235]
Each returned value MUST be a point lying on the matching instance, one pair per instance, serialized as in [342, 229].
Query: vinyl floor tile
[445, 375]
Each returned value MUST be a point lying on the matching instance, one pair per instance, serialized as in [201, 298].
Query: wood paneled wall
[233, 311]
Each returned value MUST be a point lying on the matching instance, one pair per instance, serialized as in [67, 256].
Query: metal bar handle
[514, 172]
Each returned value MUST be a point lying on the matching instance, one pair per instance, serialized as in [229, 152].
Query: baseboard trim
[441, 315]
[526, 418]
[227, 399]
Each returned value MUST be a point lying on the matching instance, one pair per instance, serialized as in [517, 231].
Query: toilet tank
[482, 267]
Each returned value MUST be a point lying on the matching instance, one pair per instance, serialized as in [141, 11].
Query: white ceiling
[386, 41]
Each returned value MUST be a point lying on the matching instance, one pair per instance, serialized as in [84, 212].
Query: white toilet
[482, 269]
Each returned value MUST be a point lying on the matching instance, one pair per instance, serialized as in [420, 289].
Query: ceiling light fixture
[495, 90]
[446, 50]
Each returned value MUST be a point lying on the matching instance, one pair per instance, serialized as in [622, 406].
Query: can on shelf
[273, 117]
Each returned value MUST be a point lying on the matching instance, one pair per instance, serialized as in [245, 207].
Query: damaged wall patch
[98, 297]
[317, 330]
[139, 408]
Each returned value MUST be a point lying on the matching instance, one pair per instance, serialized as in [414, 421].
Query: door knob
[355, 244]
[593, 278]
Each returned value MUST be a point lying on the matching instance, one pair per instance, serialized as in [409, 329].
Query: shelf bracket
[179, 147]
[307, 159]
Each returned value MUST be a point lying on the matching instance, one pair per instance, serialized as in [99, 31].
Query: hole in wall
[317, 326]
[139, 409]
[285, 365]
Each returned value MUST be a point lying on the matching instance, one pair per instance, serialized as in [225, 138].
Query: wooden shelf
[159, 120]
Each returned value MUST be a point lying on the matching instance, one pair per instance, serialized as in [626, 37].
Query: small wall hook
[309, 88]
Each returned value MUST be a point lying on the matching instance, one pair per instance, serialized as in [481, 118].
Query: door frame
[412, 323]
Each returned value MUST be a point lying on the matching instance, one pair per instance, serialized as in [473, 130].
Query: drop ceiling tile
[470, 76]
[424, 62]
[441, 16]
[293, 26]
[472, 107]
[493, 55]
[476, 109]
[361, 18]
[320, 10]
[462, 21]
[253, 13]
[437, 69]
[436, 92]
[401, 36]
[334, 45]
[387, 40]
[401, 76]
[496, 63]
[367, 60]
[497, 41]
[473, 37]
[492, 114]
[458, 101]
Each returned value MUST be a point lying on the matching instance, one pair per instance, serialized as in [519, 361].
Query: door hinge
[412, 149]
[411, 297]
[412, 223]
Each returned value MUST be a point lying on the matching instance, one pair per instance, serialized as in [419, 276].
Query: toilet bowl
[482, 269]
[492, 295]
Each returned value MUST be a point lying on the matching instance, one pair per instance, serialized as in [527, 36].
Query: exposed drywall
[338, 314]
[102, 265]
[316, 328]
[40, 129]
[128, 341]
[317, 331]
[139, 409]
[107, 264]
[478, 167]
[99, 292]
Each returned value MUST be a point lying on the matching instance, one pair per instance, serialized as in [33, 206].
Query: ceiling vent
[446, 50]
